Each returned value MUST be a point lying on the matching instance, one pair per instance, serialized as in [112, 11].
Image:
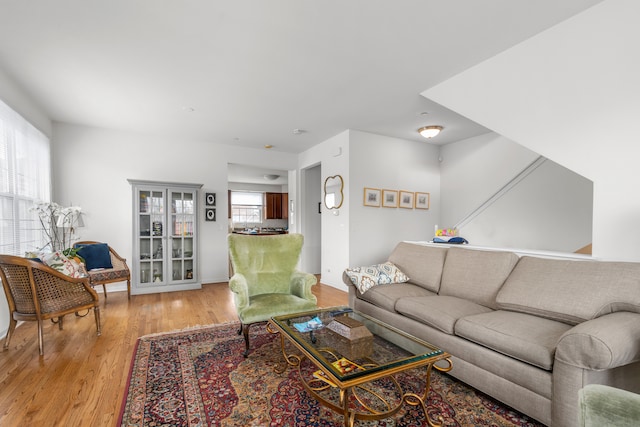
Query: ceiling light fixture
[429, 131]
[268, 146]
[271, 177]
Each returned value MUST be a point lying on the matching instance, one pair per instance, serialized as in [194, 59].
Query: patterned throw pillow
[61, 263]
[364, 278]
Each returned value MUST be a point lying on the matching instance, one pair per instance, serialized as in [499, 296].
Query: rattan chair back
[36, 292]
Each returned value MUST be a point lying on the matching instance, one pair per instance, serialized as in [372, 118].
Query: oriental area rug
[198, 377]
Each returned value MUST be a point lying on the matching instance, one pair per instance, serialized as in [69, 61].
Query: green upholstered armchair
[265, 281]
[601, 405]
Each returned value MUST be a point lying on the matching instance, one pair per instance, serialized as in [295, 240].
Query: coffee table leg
[290, 359]
[415, 400]
[348, 416]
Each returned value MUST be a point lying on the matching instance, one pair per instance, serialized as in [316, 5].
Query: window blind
[25, 179]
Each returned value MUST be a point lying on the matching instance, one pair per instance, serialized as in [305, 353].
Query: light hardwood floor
[81, 378]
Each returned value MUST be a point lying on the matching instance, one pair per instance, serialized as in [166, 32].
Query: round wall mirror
[333, 186]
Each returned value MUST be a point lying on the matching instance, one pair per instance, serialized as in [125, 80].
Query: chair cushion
[440, 312]
[521, 336]
[107, 275]
[96, 255]
[364, 278]
[263, 307]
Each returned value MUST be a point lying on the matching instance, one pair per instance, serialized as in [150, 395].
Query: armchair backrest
[266, 262]
[34, 288]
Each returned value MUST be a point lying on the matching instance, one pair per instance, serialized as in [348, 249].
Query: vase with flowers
[59, 225]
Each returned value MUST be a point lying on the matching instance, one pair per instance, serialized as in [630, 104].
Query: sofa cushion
[476, 275]
[385, 296]
[440, 312]
[423, 264]
[364, 278]
[521, 336]
[571, 291]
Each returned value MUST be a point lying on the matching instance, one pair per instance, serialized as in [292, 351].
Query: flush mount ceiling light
[271, 177]
[429, 131]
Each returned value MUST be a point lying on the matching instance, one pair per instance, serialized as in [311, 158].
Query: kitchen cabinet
[165, 237]
[274, 206]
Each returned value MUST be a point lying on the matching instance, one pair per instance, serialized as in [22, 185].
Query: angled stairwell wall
[571, 94]
[501, 194]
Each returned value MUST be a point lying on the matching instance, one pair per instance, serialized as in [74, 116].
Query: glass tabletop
[352, 345]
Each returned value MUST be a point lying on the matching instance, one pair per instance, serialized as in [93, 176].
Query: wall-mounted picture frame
[422, 200]
[372, 197]
[210, 199]
[389, 198]
[210, 214]
[406, 199]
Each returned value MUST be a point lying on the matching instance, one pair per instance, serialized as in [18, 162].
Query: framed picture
[372, 197]
[422, 200]
[210, 214]
[406, 199]
[210, 199]
[389, 198]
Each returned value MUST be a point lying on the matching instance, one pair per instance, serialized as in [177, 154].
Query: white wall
[20, 101]
[472, 170]
[333, 157]
[91, 168]
[361, 235]
[395, 164]
[550, 209]
[572, 94]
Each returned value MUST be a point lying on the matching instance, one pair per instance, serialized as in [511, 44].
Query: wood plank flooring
[81, 378]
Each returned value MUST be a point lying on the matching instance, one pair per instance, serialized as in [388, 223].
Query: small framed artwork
[210, 199]
[210, 214]
[372, 197]
[389, 198]
[422, 200]
[406, 199]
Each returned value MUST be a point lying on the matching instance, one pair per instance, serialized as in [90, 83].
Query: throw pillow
[95, 255]
[61, 263]
[364, 278]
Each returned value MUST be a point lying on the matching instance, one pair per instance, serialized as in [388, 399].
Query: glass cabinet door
[183, 217]
[151, 226]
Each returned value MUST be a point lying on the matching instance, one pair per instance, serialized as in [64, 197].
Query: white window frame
[248, 208]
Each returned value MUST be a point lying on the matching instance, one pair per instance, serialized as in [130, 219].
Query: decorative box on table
[350, 337]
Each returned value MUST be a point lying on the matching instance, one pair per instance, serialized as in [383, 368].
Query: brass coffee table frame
[357, 383]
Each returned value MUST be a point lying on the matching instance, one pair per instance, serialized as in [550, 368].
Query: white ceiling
[255, 70]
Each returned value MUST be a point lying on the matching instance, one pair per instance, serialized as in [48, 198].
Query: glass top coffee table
[351, 362]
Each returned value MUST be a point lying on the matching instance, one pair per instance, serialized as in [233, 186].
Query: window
[25, 178]
[247, 207]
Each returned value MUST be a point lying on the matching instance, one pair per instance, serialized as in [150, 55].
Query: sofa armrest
[602, 405]
[240, 288]
[301, 284]
[603, 343]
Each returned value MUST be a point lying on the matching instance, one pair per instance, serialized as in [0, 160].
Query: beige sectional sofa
[528, 331]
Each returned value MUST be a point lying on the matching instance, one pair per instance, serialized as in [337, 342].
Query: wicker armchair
[119, 273]
[37, 292]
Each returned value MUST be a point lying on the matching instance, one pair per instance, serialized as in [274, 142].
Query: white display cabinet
[165, 237]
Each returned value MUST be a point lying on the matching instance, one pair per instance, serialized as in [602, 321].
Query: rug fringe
[191, 328]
